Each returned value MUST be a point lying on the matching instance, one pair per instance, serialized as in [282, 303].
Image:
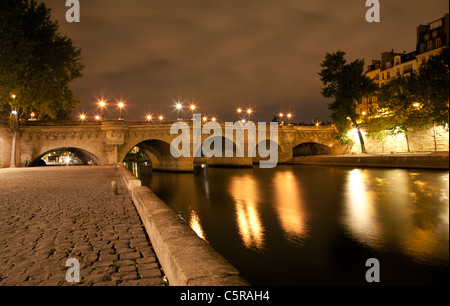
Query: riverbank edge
[187, 260]
[425, 161]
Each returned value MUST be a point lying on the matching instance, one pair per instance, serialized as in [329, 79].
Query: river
[316, 225]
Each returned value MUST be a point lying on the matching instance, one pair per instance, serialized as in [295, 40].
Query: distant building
[431, 39]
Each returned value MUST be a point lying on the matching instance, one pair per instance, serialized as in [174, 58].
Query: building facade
[431, 39]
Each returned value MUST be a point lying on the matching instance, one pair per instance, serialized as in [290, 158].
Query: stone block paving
[51, 214]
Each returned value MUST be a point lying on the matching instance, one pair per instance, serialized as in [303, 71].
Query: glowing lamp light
[14, 112]
[249, 111]
[416, 105]
[178, 106]
[121, 104]
[97, 117]
[161, 118]
[281, 115]
[149, 117]
[213, 119]
[239, 110]
[13, 96]
[102, 103]
[83, 117]
[205, 119]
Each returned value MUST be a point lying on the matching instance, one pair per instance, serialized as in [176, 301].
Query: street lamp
[193, 107]
[179, 107]
[249, 112]
[289, 116]
[213, 119]
[82, 117]
[161, 118]
[149, 117]
[121, 105]
[205, 119]
[97, 117]
[102, 105]
[32, 116]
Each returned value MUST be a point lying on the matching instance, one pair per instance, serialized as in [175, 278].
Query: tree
[403, 112]
[36, 65]
[416, 101]
[432, 90]
[346, 84]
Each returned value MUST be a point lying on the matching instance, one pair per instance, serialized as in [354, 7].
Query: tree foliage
[346, 84]
[415, 101]
[37, 63]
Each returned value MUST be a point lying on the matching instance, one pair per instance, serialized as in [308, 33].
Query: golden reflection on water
[289, 206]
[412, 221]
[194, 223]
[244, 190]
[361, 215]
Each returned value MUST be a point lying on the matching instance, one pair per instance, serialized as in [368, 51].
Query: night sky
[263, 54]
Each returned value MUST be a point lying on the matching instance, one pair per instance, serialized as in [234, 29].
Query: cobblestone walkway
[51, 214]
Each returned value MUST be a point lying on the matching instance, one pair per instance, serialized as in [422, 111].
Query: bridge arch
[311, 148]
[160, 155]
[85, 156]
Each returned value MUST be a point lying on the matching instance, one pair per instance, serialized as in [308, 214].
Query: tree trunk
[361, 139]
[13, 149]
[407, 142]
[434, 134]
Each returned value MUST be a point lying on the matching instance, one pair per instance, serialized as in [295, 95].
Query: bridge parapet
[108, 142]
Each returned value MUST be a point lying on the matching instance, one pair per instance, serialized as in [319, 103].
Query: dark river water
[317, 225]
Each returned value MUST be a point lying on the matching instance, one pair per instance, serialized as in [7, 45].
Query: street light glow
[83, 117]
[178, 106]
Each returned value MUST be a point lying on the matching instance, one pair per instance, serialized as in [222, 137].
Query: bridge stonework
[108, 142]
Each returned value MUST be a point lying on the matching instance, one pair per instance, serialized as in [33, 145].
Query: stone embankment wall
[429, 140]
[186, 259]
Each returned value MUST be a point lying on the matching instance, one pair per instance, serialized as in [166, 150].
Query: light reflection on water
[244, 190]
[306, 225]
[409, 213]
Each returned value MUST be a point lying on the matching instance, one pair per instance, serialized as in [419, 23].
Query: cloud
[225, 53]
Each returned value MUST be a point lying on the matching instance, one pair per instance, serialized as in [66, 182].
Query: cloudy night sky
[263, 54]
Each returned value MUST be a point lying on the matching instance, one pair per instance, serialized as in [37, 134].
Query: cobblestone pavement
[51, 214]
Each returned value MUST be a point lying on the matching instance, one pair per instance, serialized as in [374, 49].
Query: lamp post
[102, 105]
[179, 107]
[149, 118]
[193, 107]
[14, 113]
[121, 105]
[239, 111]
[249, 112]
[289, 117]
[161, 118]
[83, 117]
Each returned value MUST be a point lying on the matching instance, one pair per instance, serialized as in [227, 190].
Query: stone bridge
[108, 142]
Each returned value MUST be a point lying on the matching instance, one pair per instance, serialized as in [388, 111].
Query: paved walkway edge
[186, 259]
[418, 162]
